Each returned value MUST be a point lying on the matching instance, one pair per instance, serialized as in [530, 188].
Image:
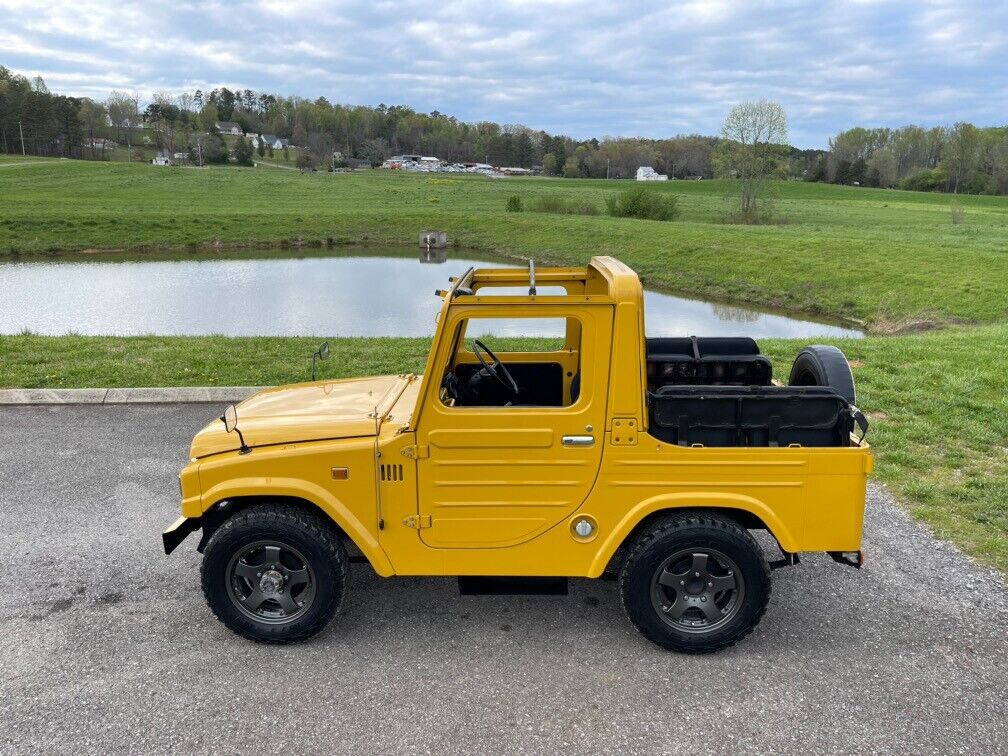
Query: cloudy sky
[583, 69]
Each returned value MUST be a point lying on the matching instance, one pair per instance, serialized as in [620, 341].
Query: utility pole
[21, 129]
[607, 169]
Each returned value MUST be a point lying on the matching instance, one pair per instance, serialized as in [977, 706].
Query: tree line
[962, 158]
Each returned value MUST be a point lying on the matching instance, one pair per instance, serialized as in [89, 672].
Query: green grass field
[880, 256]
[938, 400]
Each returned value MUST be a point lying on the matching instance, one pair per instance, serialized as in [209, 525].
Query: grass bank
[882, 256]
[938, 402]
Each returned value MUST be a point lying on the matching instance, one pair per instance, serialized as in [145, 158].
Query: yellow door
[497, 476]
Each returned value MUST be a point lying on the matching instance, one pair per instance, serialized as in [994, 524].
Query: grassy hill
[875, 255]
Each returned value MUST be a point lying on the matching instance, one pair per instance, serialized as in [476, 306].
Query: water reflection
[734, 314]
[357, 292]
[436, 256]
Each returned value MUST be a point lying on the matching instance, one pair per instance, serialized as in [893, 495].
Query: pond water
[351, 292]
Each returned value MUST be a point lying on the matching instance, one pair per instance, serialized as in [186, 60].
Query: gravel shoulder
[109, 647]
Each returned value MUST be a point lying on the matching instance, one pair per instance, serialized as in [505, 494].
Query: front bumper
[179, 531]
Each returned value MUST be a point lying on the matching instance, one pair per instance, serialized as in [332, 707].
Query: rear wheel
[695, 583]
[274, 573]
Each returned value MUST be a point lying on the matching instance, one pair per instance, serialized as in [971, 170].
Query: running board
[512, 586]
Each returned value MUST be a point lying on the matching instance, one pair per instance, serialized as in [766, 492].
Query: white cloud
[584, 68]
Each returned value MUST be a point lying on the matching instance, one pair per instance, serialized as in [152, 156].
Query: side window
[514, 362]
[517, 334]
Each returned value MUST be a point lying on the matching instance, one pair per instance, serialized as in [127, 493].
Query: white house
[647, 173]
[269, 140]
[230, 128]
[161, 160]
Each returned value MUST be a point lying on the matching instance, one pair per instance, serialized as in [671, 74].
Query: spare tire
[822, 365]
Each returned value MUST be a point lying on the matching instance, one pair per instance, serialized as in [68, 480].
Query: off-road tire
[694, 531]
[300, 530]
[822, 365]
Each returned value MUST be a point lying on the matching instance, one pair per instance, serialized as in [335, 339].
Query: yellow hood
[307, 412]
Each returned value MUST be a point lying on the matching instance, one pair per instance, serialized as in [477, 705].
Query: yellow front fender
[236, 488]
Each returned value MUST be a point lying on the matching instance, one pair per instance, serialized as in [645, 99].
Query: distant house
[269, 140]
[230, 128]
[161, 160]
[647, 173]
[181, 157]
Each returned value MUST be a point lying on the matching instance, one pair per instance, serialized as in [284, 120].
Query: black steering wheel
[496, 367]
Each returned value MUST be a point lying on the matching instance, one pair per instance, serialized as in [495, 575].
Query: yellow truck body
[424, 486]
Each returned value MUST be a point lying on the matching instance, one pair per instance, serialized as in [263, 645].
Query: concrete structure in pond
[433, 239]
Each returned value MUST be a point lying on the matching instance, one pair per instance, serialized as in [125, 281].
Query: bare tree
[185, 102]
[320, 147]
[754, 143]
[123, 109]
[962, 153]
[92, 117]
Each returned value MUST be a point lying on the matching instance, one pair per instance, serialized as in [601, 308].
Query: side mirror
[322, 353]
[230, 418]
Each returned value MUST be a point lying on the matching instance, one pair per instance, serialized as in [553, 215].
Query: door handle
[578, 440]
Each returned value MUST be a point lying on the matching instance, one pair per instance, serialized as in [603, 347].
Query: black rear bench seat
[750, 416]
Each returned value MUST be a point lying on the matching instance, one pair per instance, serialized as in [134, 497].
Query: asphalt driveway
[106, 644]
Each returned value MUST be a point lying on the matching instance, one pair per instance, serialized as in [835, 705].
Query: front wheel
[695, 583]
[274, 573]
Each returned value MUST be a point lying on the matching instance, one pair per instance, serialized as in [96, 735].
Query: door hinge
[415, 452]
[624, 432]
[417, 522]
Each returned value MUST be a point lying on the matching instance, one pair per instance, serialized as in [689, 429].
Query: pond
[350, 292]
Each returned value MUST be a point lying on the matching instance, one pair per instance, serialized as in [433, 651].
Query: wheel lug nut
[682, 582]
[696, 574]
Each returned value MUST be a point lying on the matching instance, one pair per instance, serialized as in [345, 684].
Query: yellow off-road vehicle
[596, 453]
